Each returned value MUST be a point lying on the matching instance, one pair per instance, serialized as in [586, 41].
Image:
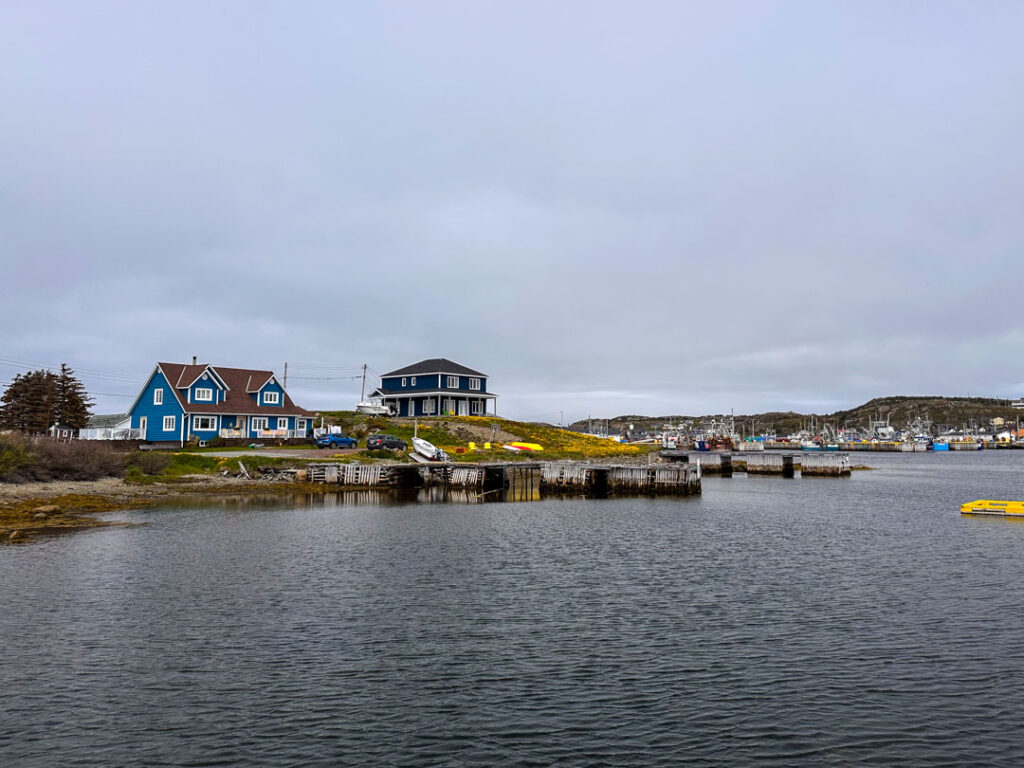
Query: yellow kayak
[524, 446]
[993, 507]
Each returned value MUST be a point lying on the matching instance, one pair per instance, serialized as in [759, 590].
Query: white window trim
[403, 381]
[428, 407]
[412, 381]
[169, 423]
[474, 384]
[282, 422]
[200, 428]
[158, 396]
[259, 423]
[203, 395]
[271, 398]
[300, 425]
[475, 408]
[453, 382]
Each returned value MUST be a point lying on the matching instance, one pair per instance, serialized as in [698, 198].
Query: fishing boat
[372, 407]
[428, 450]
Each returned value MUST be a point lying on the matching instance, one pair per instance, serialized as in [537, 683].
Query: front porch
[263, 434]
[445, 404]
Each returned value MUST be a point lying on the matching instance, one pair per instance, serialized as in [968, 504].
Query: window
[300, 425]
[203, 394]
[169, 423]
[477, 408]
[271, 398]
[282, 423]
[403, 381]
[158, 397]
[204, 423]
[259, 423]
[453, 382]
[413, 381]
[474, 384]
[428, 407]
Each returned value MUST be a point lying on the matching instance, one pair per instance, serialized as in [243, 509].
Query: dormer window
[453, 382]
[271, 398]
[203, 395]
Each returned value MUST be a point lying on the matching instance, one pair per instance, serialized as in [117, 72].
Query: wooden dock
[600, 481]
[516, 481]
[808, 463]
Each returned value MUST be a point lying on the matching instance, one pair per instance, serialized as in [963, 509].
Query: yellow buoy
[993, 507]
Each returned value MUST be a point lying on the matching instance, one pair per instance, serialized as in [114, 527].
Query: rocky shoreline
[34, 509]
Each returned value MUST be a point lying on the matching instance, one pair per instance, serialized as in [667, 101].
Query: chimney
[193, 359]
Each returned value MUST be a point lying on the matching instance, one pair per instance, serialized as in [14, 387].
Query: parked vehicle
[388, 442]
[335, 441]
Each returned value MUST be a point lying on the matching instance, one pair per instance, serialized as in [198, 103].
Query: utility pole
[286, 376]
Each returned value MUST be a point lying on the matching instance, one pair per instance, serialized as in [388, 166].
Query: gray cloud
[662, 208]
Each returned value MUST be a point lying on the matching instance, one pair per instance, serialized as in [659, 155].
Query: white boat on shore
[428, 450]
[372, 408]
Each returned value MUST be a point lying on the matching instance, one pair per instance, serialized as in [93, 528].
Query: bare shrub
[150, 462]
[24, 460]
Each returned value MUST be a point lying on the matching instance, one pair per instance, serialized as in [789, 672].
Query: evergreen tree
[35, 401]
[72, 401]
[28, 403]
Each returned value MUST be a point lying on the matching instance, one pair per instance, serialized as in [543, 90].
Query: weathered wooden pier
[772, 464]
[825, 465]
[601, 480]
[810, 464]
[516, 481]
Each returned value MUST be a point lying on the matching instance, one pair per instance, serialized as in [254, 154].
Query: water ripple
[770, 622]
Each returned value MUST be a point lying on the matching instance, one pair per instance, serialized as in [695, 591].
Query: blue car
[335, 441]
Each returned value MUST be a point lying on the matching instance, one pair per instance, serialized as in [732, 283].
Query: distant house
[436, 387]
[113, 426]
[181, 402]
[61, 433]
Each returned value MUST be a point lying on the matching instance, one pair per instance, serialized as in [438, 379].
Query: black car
[389, 442]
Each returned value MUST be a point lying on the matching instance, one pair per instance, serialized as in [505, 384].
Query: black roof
[434, 365]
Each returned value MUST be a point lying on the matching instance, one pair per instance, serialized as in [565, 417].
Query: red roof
[239, 398]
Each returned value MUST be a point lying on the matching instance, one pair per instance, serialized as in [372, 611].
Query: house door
[143, 422]
[241, 426]
[463, 408]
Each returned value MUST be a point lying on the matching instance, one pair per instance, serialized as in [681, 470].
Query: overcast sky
[610, 208]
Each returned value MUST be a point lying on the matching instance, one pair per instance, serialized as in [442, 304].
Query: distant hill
[901, 411]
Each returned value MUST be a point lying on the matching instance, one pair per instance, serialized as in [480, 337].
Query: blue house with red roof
[182, 402]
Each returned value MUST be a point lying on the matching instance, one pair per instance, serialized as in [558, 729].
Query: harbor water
[769, 621]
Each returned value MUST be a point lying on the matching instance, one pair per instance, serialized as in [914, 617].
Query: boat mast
[362, 396]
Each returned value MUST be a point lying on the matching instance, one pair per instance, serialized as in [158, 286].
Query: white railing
[263, 434]
[109, 434]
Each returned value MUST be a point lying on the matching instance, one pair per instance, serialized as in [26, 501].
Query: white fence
[109, 434]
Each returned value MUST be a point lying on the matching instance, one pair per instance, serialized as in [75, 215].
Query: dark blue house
[436, 387]
[180, 402]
